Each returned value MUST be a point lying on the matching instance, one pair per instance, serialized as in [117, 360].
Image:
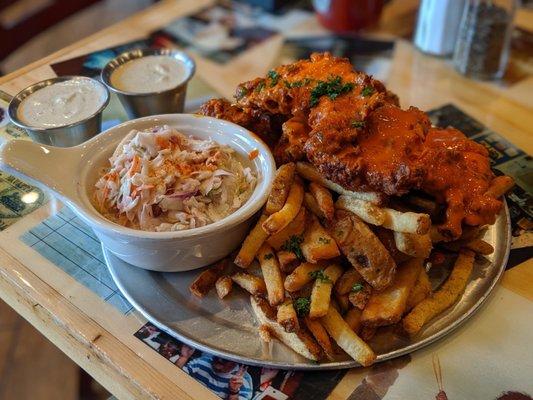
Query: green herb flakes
[367, 91]
[357, 287]
[293, 245]
[358, 124]
[268, 256]
[260, 87]
[320, 276]
[301, 306]
[241, 92]
[332, 88]
[274, 76]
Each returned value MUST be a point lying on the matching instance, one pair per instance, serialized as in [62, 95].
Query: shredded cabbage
[162, 180]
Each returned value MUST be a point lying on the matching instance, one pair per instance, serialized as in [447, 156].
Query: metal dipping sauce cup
[152, 103]
[63, 135]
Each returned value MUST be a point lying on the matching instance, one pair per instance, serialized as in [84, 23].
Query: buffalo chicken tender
[363, 249]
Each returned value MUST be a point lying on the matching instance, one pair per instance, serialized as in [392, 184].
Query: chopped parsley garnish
[297, 84]
[358, 124]
[323, 240]
[259, 87]
[320, 276]
[274, 76]
[332, 88]
[241, 92]
[268, 256]
[293, 245]
[301, 306]
[367, 91]
[357, 287]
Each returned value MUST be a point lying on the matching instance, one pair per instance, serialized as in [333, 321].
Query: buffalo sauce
[459, 174]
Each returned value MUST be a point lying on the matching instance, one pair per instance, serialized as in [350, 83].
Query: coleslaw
[162, 180]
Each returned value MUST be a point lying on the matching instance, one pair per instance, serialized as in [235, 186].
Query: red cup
[348, 15]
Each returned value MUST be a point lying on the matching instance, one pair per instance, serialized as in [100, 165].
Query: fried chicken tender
[266, 125]
[352, 129]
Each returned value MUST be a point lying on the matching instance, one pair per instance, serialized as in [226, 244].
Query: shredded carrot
[253, 154]
[162, 142]
[135, 165]
[103, 199]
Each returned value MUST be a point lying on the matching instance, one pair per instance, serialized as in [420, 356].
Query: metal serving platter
[227, 328]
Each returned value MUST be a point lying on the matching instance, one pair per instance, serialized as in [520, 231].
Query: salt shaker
[438, 25]
[482, 49]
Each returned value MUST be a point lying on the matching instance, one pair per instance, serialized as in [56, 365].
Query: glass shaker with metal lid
[482, 49]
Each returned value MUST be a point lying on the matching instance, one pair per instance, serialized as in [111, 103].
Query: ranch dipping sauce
[149, 74]
[62, 103]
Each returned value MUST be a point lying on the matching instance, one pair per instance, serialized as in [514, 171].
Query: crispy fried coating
[352, 129]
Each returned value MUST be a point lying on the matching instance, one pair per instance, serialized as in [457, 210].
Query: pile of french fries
[334, 266]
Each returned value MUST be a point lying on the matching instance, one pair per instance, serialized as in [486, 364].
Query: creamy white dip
[61, 104]
[149, 74]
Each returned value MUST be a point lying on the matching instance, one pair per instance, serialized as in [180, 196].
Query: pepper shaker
[482, 49]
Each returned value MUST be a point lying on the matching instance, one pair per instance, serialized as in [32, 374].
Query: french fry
[420, 291]
[345, 283]
[323, 199]
[301, 341]
[472, 232]
[346, 338]
[280, 188]
[223, 286]
[206, 280]
[287, 260]
[353, 318]
[386, 236]
[266, 309]
[311, 204]
[408, 222]
[251, 283]
[444, 297]
[279, 220]
[264, 333]
[295, 228]
[251, 244]
[287, 317]
[321, 294]
[321, 336]
[387, 306]
[499, 186]
[360, 297]
[343, 301]
[301, 276]
[480, 246]
[367, 211]
[271, 275]
[363, 249]
[418, 246]
[317, 243]
[307, 171]
[389, 218]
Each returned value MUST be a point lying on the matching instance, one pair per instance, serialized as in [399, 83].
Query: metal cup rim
[20, 96]
[129, 55]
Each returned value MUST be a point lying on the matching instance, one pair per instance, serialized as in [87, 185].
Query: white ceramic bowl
[72, 172]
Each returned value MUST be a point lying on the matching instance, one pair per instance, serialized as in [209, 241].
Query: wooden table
[106, 349]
